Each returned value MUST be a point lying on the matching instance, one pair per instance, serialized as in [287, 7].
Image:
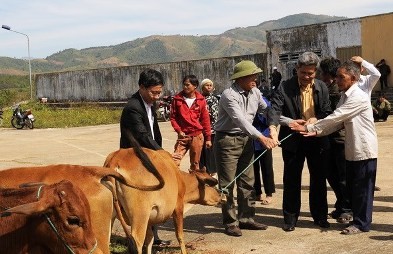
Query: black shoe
[288, 227]
[233, 231]
[252, 225]
[322, 223]
[334, 214]
[161, 243]
[376, 188]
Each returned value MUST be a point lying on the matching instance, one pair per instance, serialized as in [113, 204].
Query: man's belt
[232, 134]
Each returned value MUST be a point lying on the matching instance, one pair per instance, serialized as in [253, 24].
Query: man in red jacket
[190, 119]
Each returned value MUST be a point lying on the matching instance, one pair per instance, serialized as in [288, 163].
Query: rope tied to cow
[224, 191]
[53, 227]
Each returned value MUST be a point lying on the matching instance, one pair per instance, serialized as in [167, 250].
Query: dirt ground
[202, 226]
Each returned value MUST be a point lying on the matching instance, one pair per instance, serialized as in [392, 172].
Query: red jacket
[192, 121]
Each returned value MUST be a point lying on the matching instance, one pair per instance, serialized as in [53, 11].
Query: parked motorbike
[1, 117]
[21, 118]
[164, 108]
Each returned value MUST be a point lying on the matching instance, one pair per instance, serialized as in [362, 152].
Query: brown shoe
[233, 231]
[252, 225]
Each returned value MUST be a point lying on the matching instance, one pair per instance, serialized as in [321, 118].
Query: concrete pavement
[203, 228]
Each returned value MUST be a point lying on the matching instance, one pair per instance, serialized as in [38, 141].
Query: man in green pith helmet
[233, 146]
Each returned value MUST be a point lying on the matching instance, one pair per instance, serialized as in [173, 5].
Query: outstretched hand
[297, 125]
[267, 142]
[300, 126]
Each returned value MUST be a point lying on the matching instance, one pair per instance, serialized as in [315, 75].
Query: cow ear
[205, 178]
[62, 196]
[28, 209]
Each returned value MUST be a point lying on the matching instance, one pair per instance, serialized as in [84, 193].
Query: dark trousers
[207, 158]
[233, 155]
[383, 116]
[384, 81]
[361, 177]
[293, 167]
[264, 165]
[336, 176]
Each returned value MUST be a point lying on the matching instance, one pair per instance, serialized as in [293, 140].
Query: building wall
[292, 42]
[343, 34]
[119, 83]
[377, 38]
[322, 39]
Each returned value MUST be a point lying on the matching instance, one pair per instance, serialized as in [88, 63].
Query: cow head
[204, 177]
[67, 211]
[208, 195]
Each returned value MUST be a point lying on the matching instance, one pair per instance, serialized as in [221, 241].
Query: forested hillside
[159, 49]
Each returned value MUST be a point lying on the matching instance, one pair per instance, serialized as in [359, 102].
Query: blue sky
[55, 25]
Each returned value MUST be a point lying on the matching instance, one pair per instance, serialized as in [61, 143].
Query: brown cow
[89, 179]
[46, 219]
[145, 208]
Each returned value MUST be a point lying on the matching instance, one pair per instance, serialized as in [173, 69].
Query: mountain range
[159, 49]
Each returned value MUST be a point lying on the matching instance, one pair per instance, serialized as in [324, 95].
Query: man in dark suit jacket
[139, 117]
[299, 100]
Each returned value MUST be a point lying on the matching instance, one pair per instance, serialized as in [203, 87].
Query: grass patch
[74, 116]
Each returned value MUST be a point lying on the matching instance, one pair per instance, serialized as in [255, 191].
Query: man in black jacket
[139, 117]
[299, 100]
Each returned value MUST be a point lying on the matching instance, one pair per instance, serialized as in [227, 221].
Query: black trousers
[293, 167]
[264, 166]
[336, 176]
[207, 158]
[384, 81]
[361, 177]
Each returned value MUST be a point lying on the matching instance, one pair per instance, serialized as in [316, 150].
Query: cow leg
[101, 210]
[148, 241]
[178, 222]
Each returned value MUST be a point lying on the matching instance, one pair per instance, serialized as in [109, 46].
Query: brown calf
[46, 219]
[146, 208]
[88, 178]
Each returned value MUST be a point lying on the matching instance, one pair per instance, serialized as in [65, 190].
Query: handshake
[300, 125]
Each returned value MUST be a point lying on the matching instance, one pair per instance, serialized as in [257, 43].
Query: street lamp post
[28, 51]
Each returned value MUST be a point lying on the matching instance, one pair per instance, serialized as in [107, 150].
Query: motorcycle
[1, 117]
[164, 108]
[20, 118]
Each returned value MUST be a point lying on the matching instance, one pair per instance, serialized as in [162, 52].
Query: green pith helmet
[245, 68]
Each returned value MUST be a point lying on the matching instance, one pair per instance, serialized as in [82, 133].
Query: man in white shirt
[354, 112]
[367, 82]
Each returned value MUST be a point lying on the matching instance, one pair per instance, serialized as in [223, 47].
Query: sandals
[351, 230]
[267, 201]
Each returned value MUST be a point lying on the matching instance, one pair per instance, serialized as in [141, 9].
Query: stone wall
[119, 83]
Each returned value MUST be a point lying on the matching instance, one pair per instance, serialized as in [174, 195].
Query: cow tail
[146, 162]
[103, 175]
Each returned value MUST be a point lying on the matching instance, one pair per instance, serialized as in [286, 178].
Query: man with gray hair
[355, 113]
[299, 100]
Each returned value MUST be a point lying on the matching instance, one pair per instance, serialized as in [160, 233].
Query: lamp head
[6, 27]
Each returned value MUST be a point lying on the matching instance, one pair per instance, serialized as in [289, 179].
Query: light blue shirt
[355, 114]
[236, 111]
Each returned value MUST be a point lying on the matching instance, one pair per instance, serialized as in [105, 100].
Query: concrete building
[370, 37]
